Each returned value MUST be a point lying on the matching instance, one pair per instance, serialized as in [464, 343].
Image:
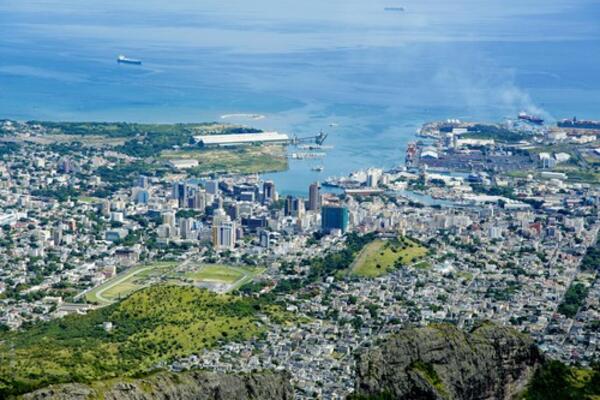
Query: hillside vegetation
[150, 327]
[557, 381]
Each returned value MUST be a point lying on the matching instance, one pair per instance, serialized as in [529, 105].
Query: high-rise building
[334, 217]
[180, 192]
[298, 207]
[57, 236]
[289, 205]
[233, 210]
[294, 206]
[224, 234]
[66, 165]
[269, 193]
[212, 187]
[169, 218]
[105, 207]
[314, 197]
[165, 231]
[219, 215]
[142, 181]
[185, 228]
[267, 238]
[142, 196]
[373, 177]
[198, 200]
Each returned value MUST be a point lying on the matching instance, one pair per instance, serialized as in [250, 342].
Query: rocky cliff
[197, 385]
[442, 362]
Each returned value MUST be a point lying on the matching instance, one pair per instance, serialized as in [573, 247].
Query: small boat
[320, 168]
[125, 60]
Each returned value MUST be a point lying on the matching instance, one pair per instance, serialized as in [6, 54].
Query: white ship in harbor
[121, 59]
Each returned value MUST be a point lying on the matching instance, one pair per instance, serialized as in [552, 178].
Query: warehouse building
[242, 139]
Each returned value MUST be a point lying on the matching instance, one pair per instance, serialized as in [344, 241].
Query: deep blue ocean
[376, 74]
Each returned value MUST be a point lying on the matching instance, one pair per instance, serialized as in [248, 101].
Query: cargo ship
[575, 123]
[125, 60]
[394, 9]
[411, 155]
[531, 118]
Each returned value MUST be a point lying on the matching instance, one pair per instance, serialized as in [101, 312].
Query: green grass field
[128, 282]
[221, 273]
[381, 256]
[122, 290]
[231, 275]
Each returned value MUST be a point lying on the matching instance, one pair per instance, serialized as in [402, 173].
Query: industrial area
[568, 150]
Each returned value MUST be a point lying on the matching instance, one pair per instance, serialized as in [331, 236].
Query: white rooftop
[242, 138]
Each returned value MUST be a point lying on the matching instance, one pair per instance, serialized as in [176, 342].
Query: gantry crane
[318, 139]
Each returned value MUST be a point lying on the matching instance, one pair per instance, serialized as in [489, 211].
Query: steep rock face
[197, 385]
[442, 362]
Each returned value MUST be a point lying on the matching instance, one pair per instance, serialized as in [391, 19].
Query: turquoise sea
[375, 75]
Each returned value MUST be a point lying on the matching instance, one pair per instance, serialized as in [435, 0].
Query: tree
[554, 380]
